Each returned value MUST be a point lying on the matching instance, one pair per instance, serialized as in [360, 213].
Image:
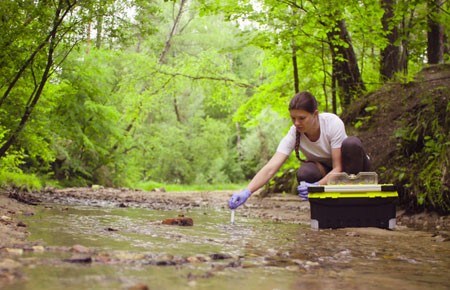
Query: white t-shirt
[332, 133]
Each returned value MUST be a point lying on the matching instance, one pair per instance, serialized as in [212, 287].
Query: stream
[90, 247]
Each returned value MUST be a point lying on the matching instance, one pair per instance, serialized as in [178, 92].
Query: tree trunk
[177, 111]
[324, 83]
[435, 48]
[238, 142]
[88, 37]
[391, 54]
[345, 65]
[294, 49]
[295, 66]
[168, 44]
[162, 57]
[99, 27]
[333, 89]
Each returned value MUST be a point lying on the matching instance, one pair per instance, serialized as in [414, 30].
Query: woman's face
[303, 120]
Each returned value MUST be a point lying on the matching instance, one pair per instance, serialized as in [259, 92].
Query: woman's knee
[309, 172]
[354, 157]
[351, 143]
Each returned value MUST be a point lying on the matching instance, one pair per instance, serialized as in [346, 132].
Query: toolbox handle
[351, 188]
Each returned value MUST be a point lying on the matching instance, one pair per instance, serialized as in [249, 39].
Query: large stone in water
[180, 221]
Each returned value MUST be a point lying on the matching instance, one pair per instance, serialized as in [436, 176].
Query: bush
[11, 176]
[21, 181]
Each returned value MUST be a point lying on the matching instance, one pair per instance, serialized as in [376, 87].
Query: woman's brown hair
[302, 101]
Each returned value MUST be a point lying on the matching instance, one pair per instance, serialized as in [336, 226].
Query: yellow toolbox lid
[352, 191]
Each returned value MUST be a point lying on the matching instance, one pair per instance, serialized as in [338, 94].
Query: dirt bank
[12, 230]
[13, 233]
[395, 124]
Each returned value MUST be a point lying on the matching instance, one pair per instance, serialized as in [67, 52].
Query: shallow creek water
[130, 246]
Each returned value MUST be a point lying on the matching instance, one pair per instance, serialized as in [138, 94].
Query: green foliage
[177, 156]
[20, 181]
[12, 176]
[12, 161]
[263, 134]
[368, 113]
[112, 113]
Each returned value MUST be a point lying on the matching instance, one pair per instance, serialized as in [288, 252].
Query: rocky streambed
[272, 235]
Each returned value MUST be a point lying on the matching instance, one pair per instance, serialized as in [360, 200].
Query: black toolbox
[350, 205]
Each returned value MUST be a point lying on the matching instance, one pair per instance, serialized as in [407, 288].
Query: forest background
[145, 94]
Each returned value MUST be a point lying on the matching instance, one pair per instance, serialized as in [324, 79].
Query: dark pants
[354, 160]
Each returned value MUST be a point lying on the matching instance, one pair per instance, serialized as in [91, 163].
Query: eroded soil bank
[286, 208]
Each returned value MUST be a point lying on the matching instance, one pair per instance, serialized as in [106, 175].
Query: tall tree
[391, 54]
[345, 65]
[173, 30]
[435, 48]
[48, 49]
[294, 55]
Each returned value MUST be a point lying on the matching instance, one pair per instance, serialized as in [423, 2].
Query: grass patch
[150, 185]
[20, 181]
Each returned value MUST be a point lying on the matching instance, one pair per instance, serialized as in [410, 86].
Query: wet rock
[162, 189]
[311, 264]
[20, 196]
[180, 221]
[219, 256]
[14, 251]
[272, 252]
[139, 287]
[298, 262]
[441, 237]
[130, 256]
[165, 263]
[5, 218]
[21, 224]
[81, 259]
[343, 256]
[284, 254]
[207, 275]
[192, 277]
[102, 259]
[38, 249]
[192, 259]
[97, 187]
[352, 234]
[236, 264]
[198, 259]
[80, 249]
[167, 257]
[292, 268]
[9, 264]
[59, 249]
[218, 268]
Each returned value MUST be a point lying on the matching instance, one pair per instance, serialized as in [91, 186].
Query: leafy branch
[212, 78]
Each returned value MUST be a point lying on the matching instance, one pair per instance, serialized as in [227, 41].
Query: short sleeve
[337, 133]
[287, 144]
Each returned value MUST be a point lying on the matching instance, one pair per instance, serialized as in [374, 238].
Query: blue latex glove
[303, 189]
[238, 198]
